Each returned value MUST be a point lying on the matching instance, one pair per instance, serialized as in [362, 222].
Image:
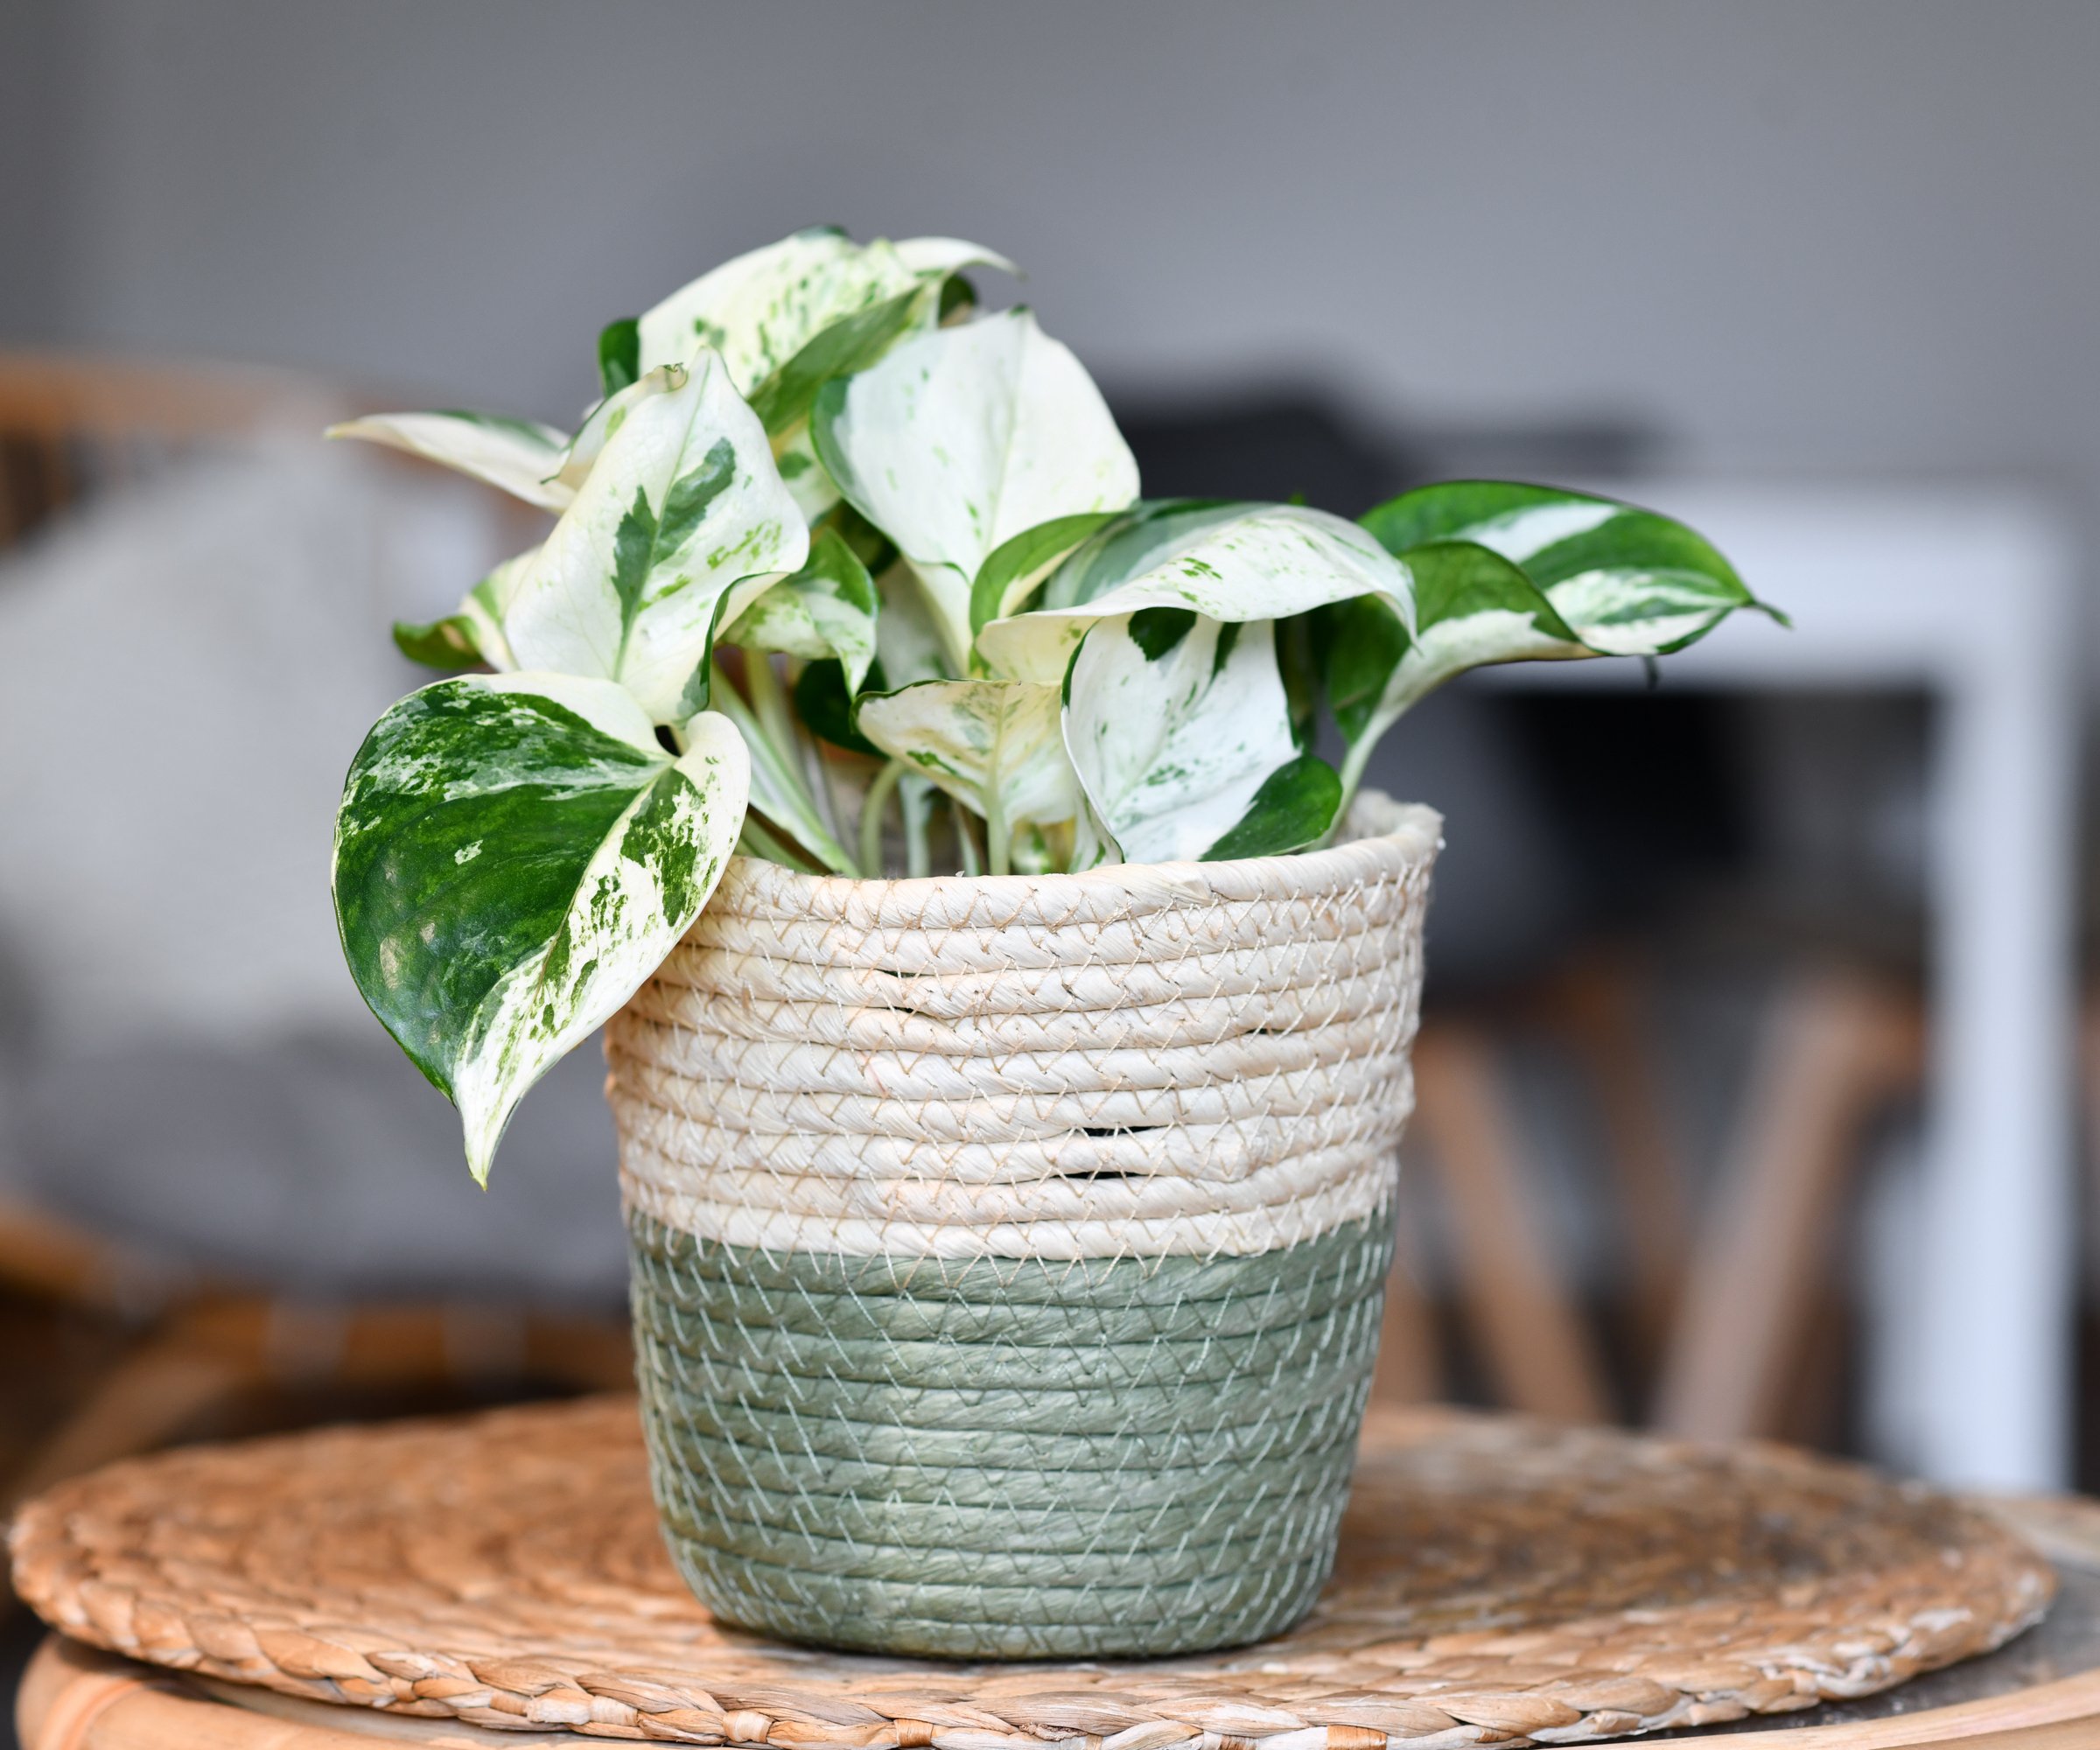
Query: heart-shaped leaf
[682, 508]
[1225, 562]
[995, 746]
[789, 317]
[1180, 730]
[961, 439]
[520, 455]
[514, 854]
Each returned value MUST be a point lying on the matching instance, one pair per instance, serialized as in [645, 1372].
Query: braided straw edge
[97, 1597]
[1206, 1058]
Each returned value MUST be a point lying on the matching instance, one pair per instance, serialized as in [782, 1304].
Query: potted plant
[1007, 1009]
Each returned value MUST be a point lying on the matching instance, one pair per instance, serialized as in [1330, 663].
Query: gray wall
[1796, 236]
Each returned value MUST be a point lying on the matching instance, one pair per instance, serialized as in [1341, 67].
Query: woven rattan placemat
[1498, 1582]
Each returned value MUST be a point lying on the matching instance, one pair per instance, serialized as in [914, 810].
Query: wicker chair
[187, 1346]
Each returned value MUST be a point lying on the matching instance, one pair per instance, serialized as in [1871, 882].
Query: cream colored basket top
[1182, 1057]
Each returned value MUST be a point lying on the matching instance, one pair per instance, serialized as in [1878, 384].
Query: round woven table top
[1499, 1581]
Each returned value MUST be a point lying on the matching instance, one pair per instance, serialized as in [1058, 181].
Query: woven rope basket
[1009, 1253]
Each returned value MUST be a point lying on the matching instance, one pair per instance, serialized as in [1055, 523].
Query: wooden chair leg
[1836, 1046]
[1599, 1010]
[1536, 1347]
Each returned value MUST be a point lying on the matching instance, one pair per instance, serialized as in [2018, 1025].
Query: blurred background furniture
[162, 1336]
[1986, 584]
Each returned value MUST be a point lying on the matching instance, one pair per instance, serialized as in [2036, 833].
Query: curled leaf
[1231, 563]
[1179, 728]
[518, 456]
[995, 746]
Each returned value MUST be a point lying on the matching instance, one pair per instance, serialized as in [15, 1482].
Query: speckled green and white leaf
[995, 746]
[1641, 614]
[683, 506]
[1473, 607]
[1625, 580]
[961, 439]
[514, 854]
[519, 455]
[1260, 563]
[826, 609]
[763, 308]
[473, 632]
[1175, 722]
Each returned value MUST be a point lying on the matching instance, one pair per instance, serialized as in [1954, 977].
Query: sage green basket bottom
[997, 1458]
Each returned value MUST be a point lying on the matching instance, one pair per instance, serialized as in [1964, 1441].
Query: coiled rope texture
[1009, 1253]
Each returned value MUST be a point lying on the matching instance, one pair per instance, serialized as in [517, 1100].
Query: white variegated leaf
[796, 456]
[763, 308]
[1623, 580]
[1265, 562]
[760, 310]
[473, 632]
[963, 438]
[601, 422]
[519, 455]
[514, 854]
[827, 609]
[683, 512]
[995, 746]
[1180, 729]
[1473, 607]
[1638, 613]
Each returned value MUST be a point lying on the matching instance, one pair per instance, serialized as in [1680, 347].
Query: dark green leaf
[447, 643]
[1357, 645]
[826, 708]
[619, 354]
[1294, 807]
[1157, 630]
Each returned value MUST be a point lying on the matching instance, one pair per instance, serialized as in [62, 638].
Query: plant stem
[998, 843]
[870, 816]
[779, 788]
[1353, 765]
[755, 841]
[767, 699]
[915, 798]
[966, 836]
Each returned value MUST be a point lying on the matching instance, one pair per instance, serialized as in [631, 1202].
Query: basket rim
[1393, 834]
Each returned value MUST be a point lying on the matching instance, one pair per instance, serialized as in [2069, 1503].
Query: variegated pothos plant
[847, 573]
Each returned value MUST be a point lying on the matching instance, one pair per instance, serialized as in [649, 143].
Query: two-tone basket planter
[1009, 1237]
[1009, 1253]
